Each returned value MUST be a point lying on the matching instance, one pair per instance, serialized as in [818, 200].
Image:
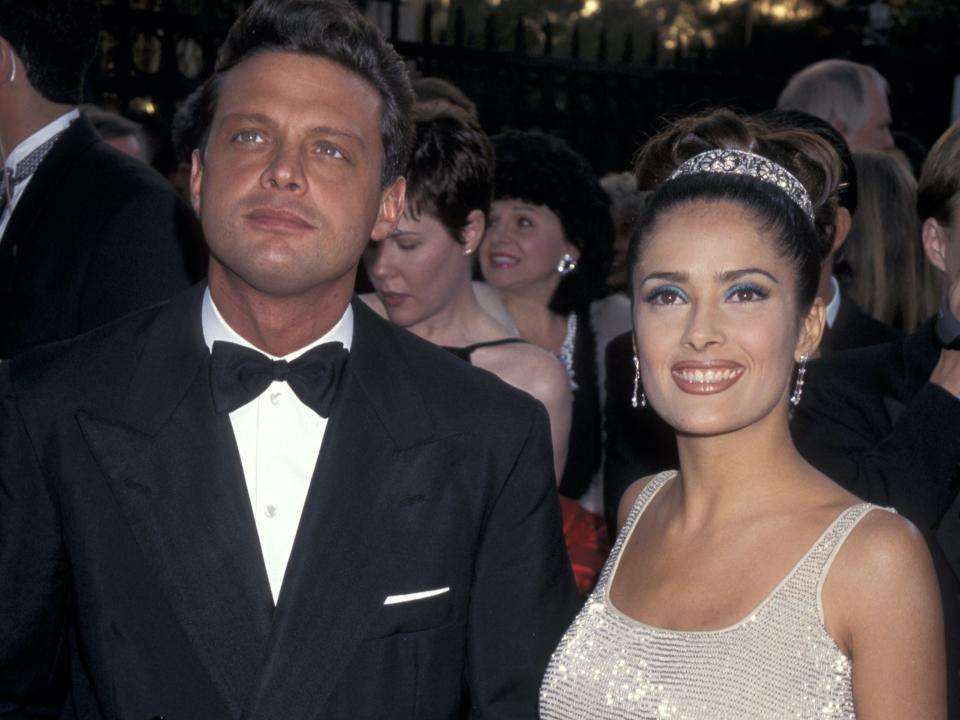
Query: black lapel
[340, 565]
[173, 467]
[948, 535]
[906, 369]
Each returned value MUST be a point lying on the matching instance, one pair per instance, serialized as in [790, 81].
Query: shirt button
[270, 511]
[275, 398]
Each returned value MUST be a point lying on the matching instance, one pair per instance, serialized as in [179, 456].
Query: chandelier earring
[798, 386]
[639, 398]
[567, 264]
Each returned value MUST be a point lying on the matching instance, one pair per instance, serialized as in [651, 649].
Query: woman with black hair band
[745, 584]
[547, 252]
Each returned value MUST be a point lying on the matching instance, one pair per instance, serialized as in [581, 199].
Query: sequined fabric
[778, 662]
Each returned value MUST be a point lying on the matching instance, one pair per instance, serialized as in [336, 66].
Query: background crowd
[513, 256]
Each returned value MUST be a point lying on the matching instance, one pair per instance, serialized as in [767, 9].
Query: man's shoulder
[866, 372]
[854, 328]
[449, 386]
[81, 166]
[93, 365]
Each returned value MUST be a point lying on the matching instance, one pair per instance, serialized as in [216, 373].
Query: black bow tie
[239, 374]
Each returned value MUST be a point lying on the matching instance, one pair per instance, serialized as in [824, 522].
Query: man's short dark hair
[332, 29]
[56, 41]
[186, 133]
[431, 89]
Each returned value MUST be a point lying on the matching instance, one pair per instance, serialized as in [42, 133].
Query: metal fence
[603, 101]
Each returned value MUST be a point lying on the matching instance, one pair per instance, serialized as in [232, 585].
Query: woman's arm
[882, 605]
[538, 373]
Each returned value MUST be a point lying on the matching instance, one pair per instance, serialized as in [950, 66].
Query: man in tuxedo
[260, 500]
[883, 421]
[87, 234]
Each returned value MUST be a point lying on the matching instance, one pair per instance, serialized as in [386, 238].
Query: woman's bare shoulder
[525, 366]
[629, 498]
[882, 573]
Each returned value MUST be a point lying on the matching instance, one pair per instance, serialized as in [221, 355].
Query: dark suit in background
[637, 441]
[127, 532]
[871, 421]
[853, 328]
[96, 235]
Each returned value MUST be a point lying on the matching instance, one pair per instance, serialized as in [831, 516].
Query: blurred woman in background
[891, 277]
[422, 272]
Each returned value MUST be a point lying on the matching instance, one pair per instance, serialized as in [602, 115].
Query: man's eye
[524, 222]
[248, 136]
[330, 151]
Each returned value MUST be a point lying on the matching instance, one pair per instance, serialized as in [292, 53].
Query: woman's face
[715, 317]
[418, 269]
[523, 245]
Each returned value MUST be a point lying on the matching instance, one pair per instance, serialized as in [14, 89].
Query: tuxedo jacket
[127, 536]
[871, 421]
[96, 235]
[853, 328]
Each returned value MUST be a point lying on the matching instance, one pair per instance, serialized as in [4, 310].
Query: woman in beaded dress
[745, 584]
[547, 252]
[421, 273]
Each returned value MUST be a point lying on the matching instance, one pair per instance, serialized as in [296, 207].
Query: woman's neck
[535, 322]
[460, 322]
[723, 477]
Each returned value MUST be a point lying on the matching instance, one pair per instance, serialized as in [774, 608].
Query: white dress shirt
[24, 149]
[279, 441]
[833, 307]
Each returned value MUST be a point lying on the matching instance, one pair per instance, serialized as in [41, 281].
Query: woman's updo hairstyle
[809, 158]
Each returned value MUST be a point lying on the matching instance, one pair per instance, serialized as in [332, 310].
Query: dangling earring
[636, 385]
[566, 265]
[798, 387]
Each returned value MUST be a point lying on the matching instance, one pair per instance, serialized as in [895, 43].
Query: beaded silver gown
[777, 662]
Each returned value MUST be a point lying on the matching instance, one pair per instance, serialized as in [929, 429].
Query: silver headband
[741, 162]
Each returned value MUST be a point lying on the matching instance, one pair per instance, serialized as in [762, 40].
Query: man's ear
[934, 237]
[8, 70]
[811, 330]
[196, 179]
[841, 228]
[392, 201]
[472, 232]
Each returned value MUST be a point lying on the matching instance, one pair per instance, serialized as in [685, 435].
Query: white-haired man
[850, 96]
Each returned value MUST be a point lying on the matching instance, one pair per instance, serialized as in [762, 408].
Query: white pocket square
[410, 597]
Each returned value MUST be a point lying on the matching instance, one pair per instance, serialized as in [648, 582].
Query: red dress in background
[588, 543]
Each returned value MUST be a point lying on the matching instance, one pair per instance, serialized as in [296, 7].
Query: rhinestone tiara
[741, 162]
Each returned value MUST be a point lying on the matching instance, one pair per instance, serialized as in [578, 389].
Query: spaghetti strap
[466, 351]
